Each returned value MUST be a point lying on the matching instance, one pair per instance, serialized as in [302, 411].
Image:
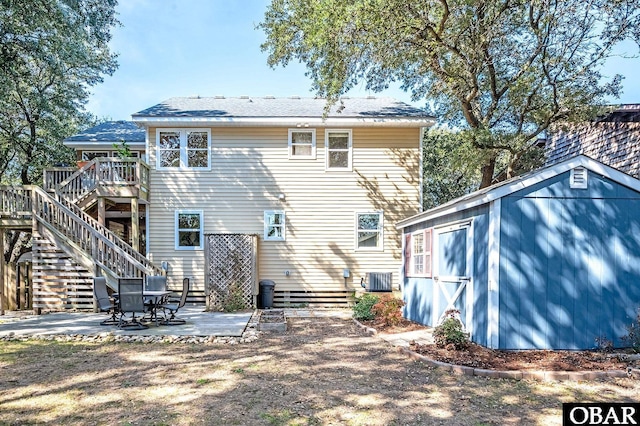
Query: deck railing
[94, 239]
[15, 200]
[53, 176]
[105, 171]
[71, 222]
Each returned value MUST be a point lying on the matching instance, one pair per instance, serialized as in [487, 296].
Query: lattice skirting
[231, 271]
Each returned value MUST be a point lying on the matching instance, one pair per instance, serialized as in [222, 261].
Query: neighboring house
[230, 191]
[547, 260]
[613, 139]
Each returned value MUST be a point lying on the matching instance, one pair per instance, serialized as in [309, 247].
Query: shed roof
[246, 110]
[109, 132]
[507, 187]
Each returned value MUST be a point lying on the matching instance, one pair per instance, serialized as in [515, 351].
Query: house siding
[250, 168]
[567, 257]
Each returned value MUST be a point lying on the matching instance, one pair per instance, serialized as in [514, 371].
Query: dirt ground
[320, 372]
[480, 357]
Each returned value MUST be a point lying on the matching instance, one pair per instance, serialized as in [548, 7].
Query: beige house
[248, 189]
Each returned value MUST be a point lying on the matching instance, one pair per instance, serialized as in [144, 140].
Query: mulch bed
[477, 356]
[531, 360]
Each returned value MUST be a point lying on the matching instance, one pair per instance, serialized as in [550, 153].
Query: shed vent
[578, 179]
[379, 281]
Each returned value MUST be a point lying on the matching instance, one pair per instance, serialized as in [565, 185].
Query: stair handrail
[101, 170]
[94, 230]
[104, 171]
[80, 183]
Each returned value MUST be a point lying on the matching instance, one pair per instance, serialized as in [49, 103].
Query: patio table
[155, 298]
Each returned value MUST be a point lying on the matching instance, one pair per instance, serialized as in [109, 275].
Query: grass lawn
[321, 372]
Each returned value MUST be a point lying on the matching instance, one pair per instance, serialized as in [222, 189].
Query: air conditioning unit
[379, 281]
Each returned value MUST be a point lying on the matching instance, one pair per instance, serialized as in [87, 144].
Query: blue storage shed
[547, 260]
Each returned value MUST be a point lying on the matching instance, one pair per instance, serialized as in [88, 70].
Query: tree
[51, 52]
[503, 70]
[449, 167]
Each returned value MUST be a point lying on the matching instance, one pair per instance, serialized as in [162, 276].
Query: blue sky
[211, 47]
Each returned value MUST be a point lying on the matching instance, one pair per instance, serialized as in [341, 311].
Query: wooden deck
[69, 245]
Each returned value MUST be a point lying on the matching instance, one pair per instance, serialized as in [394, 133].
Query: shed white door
[453, 262]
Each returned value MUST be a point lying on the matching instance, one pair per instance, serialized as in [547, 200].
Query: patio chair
[173, 305]
[105, 302]
[131, 300]
[156, 283]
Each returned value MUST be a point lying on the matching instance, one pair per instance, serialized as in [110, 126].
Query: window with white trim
[419, 262]
[189, 225]
[302, 143]
[274, 225]
[369, 231]
[338, 149]
[183, 148]
[90, 155]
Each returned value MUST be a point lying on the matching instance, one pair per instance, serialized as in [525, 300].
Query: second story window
[338, 145]
[183, 148]
[302, 144]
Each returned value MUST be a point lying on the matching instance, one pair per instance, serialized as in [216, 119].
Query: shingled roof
[246, 109]
[613, 139]
[109, 132]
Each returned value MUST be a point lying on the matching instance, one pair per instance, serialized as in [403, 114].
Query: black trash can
[265, 296]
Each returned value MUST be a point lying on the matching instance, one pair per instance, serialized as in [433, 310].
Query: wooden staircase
[70, 246]
[60, 281]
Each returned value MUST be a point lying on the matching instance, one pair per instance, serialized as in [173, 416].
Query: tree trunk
[487, 171]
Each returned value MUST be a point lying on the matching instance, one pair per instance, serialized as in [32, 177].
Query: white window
[274, 225]
[189, 230]
[369, 231]
[133, 154]
[338, 149]
[302, 144]
[418, 253]
[90, 155]
[183, 148]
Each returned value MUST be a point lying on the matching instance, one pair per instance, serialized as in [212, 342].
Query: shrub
[450, 332]
[234, 299]
[388, 309]
[603, 344]
[633, 334]
[362, 308]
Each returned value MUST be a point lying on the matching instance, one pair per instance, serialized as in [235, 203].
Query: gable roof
[502, 189]
[293, 111]
[108, 133]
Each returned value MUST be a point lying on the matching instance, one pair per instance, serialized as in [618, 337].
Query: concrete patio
[198, 323]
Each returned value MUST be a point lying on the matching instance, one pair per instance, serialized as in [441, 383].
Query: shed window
[419, 264]
[302, 144]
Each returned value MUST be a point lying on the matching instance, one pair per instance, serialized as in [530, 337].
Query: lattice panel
[231, 271]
